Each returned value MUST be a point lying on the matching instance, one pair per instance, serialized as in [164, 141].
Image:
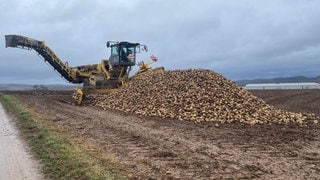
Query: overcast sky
[240, 39]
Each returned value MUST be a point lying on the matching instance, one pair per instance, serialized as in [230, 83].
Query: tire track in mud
[153, 147]
[149, 150]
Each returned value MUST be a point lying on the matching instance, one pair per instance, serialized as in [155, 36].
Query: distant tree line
[40, 87]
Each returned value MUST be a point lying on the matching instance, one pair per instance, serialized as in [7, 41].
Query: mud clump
[196, 95]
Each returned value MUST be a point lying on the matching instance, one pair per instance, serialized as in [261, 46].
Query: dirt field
[154, 148]
[306, 101]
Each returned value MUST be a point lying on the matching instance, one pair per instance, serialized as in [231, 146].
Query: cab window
[114, 51]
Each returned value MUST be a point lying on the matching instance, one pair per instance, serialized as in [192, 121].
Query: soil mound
[197, 95]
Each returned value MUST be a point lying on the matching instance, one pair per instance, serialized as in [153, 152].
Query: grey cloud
[239, 39]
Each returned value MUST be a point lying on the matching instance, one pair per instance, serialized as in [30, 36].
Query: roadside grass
[61, 156]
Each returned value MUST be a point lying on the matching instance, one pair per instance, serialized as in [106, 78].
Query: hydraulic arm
[48, 55]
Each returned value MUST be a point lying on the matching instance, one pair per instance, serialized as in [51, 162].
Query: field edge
[61, 156]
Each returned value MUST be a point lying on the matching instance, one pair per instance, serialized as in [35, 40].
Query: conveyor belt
[47, 54]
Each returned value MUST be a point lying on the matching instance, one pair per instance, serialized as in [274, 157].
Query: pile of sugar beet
[194, 95]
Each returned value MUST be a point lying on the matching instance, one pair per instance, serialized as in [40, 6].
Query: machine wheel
[78, 96]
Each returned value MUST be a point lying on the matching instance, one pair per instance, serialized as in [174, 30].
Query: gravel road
[15, 160]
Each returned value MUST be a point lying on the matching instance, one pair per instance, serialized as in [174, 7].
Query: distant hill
[295, 79]
[26, 87]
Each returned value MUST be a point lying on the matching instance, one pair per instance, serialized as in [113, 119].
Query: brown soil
[305, 101]
[155, 148]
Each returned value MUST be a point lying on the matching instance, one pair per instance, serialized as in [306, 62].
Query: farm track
[154, 148]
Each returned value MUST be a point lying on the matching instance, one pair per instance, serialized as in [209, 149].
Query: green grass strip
[60, 158]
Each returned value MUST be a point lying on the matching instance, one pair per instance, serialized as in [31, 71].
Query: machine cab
[123, 53]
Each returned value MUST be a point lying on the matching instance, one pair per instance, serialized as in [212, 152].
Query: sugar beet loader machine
[109, 74]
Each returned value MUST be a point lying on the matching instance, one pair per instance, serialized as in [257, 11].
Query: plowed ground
[154, 148]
